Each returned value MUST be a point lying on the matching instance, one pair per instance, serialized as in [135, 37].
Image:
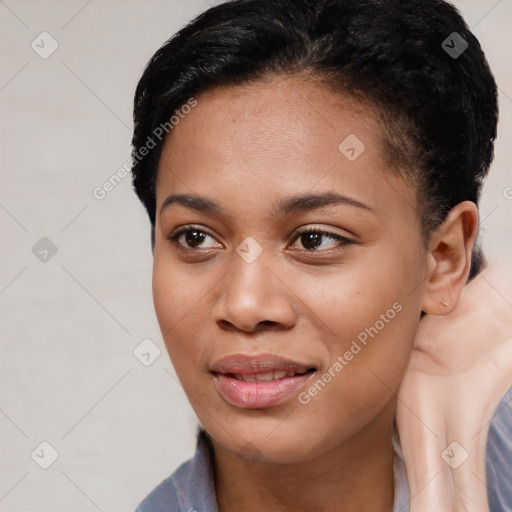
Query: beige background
[69, 326]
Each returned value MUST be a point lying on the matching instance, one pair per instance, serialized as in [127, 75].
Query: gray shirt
[191, 487]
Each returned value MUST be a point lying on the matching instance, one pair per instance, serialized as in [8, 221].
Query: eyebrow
[285, 206]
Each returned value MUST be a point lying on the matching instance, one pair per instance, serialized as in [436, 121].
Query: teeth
[246, 378]
[264, 377]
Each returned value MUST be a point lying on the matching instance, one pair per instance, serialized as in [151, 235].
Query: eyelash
[174, 238]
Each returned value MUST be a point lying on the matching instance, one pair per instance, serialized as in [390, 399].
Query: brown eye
[315, 239]
[191, 238]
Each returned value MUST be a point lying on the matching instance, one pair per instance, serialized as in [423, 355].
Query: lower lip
[258, 395]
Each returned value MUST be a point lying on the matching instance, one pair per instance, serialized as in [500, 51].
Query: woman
[311, 171]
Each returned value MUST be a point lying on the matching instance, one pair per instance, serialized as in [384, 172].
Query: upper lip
[244, 364]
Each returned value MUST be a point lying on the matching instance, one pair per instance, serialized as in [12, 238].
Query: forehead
[278, 138]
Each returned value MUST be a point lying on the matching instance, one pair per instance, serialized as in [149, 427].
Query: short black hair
[416, 62]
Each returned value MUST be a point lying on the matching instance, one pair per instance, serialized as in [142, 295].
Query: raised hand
[460, 369]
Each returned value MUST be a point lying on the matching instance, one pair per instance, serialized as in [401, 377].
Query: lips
[256, 382]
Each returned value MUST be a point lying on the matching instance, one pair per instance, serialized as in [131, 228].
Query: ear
[449, 259]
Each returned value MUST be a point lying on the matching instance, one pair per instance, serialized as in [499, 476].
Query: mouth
[257, 382]
[267, 376]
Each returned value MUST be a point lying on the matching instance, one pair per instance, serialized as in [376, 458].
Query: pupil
[311, 240]
[194, 238]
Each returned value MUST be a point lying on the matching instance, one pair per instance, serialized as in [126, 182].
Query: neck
[355, 476]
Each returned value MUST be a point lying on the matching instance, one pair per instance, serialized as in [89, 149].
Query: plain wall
[70, 324]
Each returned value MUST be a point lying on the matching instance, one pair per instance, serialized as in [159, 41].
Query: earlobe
[449, 259]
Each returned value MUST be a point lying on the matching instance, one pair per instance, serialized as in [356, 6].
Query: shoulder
[499, 457]
[189, 489]
[165, 496]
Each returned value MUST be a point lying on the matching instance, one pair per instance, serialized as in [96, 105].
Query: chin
[271, 440]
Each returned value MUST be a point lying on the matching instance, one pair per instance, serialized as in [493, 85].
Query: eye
[313, 240]
[192, 237]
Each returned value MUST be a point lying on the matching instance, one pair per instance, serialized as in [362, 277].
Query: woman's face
[286, 344]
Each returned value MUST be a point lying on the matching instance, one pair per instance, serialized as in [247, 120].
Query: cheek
[366, 366]
[178, 291]
[179, 302]
[365, 318]
[342, 304]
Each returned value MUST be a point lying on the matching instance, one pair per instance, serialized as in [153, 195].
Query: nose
[254, 298]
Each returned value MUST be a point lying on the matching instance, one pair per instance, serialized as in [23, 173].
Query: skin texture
[247, 148]
[460, 369]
